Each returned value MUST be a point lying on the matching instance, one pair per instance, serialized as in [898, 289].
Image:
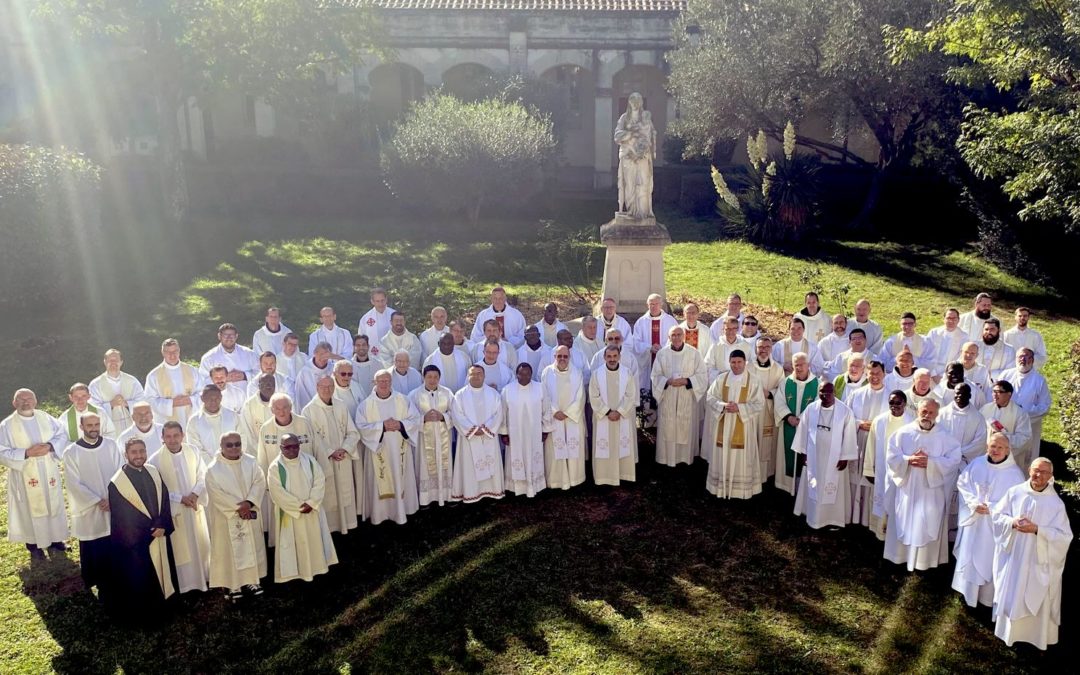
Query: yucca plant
[776, 199]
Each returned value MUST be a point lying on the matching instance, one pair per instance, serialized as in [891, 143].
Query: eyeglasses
[233, 445]
[345, 374]
[749, 323]
[291, 446]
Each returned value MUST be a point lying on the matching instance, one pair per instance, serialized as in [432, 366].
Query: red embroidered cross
[52, 482]
[32, 482]
[371, 321]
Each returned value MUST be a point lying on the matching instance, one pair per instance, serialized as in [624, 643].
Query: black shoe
[37, 555]
[58, 547]
[254, 589]
[234, 596]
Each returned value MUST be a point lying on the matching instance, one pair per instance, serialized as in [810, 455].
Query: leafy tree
[1030, 50]
[278, 50]
[457, 156]
[743, 66]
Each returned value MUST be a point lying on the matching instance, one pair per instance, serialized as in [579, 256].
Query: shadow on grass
[928, 268]
[656, 576]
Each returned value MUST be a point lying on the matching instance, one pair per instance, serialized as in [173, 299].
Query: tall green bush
[49, 206]
[1070, 418]
[459, 157]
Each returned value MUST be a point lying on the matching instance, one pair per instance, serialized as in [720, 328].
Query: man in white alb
[172, 387]
[549, 327]
[718, 357]
[1033, 395]
[1004, 415]
[338, 338]
[241, 362]
[510, 322]
[608, 319]
[994, 354]
[452, 364]
[535, 352]
[1022, 335]
[733, 407]
[375, 323]
[477, 413]
[143, 427]
[205, 427]
[922, 349]
[948, 340]
[429, 339]
[613, 394]
[114, 392]
[981, 311]
[334, 440]
[816, 320]
[235, 488]
[679, 381]
[397, 339]
[650, 336]
[835, 342]
[297, 487]
[319, 365]
[564, 449]
[871, 329]
[734, 309]
[826, 439]
[923, 461]
[797, 342]
[183, 472]
[389, 425]
[89, 465]
[271, 335]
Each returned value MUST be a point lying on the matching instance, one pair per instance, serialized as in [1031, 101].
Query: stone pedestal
[634, 263]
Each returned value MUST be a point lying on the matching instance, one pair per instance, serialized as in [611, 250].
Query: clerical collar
[990, 460]
[113, 377]
[764, 364]
[656, 317]
[676, 349]
[283, 425]
[536, 348]
[433, 391]
[84, 443]
[137, 469]
[271, 330]
[383, 398]
[171, 367]
[330, 402]
[612, 369]
[361, 361]
[498, 311]
[806, 312]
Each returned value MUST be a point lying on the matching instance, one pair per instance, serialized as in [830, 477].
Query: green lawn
[652, 577]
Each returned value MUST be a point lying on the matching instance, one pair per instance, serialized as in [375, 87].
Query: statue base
[634, 263]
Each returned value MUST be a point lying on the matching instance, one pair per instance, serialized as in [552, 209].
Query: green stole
[839, 384]
[809, 394]
[72, 421]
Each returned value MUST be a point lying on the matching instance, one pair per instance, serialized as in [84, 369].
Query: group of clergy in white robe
[829, 411]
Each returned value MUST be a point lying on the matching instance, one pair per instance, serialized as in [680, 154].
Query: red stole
[691, 337]
[655, 337]
[502, 326]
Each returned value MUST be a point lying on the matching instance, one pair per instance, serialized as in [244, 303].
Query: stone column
[602, 174]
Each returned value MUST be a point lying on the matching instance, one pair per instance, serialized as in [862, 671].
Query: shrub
[49, 208]
[456, 156]
[1070, 418]
[777, 199]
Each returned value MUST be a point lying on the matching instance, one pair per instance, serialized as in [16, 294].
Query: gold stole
[433, 429]
[738, 434]
[384, 477]
[181, 551]
[165, 385]
[39, 489]
[123, 388]
[159, 552]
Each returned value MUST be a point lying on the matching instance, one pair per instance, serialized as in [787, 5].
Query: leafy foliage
[1031, 50]
[1070, 416]
[49, 207]
[455, 156]
[744, 66]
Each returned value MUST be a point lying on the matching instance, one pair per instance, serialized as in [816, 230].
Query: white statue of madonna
[636, 137]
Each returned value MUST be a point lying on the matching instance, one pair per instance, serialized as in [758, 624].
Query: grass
[652, 577]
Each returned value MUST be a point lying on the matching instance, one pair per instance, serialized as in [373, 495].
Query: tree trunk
[172, 180]
[873, 195]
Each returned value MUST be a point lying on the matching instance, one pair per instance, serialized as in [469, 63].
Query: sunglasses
[749, 323]
[291, 446]
[344, 374]
[232, 445]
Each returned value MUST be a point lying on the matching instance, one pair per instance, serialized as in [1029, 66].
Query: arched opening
[394, 87]
[466, 80]
[577, 128]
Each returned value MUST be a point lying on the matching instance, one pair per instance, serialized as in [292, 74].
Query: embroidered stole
[384, 474]
[189, 455]
[436, 434]
[809, 394]
[738, 432]
[44, 500]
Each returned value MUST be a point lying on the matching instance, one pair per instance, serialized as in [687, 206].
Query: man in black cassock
[144, 575]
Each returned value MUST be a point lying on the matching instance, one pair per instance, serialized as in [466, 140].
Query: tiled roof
[672, 6]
